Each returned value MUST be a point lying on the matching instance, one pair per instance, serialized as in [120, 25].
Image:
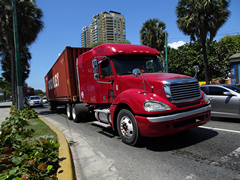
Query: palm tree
[199, 18]
[25, 57]
[29, 25]
[152, 34]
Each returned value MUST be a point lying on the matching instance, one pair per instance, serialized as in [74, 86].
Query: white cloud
[175, 45]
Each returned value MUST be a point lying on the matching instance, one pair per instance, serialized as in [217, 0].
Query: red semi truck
[127, 89]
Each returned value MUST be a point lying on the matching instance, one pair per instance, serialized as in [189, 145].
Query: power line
[222, 34]
[232, 30]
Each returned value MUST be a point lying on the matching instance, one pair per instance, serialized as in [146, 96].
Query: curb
[65, 170]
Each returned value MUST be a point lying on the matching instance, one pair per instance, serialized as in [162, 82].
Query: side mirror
[228, 93]
[136, 72]
[95, 66]
[96, 76]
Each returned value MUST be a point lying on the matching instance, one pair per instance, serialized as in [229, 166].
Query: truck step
[101, 124]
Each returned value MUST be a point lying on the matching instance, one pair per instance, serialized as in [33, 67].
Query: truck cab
[127, 88]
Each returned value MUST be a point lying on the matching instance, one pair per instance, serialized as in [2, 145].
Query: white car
[44, 100]
[34, 101]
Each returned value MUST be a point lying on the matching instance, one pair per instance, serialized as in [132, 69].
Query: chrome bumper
[179, 115]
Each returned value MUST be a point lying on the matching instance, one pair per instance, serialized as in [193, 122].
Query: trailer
[61, 80]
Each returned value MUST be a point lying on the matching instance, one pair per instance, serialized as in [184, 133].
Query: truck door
[106, 81]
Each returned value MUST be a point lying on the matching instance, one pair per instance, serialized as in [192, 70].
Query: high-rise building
[86, 36]
[106, 27]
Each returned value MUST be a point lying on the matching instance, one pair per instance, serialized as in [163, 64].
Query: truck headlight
[155, 106]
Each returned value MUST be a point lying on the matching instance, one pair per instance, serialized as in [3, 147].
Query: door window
[217, 91]
[205, 90]
[106, 69]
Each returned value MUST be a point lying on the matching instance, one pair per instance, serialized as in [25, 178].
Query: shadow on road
[171, 142]
[225, 119]
[60, 110]
[165, 143]
[5, 106]
[180, 140]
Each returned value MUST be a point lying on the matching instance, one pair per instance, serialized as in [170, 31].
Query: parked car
[224, 98]
[34, 101]
[44, 100]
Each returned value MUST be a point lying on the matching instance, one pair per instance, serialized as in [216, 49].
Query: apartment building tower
[107, 27]
[86, 36]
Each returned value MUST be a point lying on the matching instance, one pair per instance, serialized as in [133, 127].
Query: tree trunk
[5, 97]
[203, 41]
[13, 76]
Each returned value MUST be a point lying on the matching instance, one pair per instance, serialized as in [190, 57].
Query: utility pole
[166, 52]
[17, 56]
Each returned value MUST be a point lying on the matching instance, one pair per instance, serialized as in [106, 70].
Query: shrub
[21, 159]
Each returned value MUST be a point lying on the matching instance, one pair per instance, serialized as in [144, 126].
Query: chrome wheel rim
[126, 127]
[73, 113]
[68, 111]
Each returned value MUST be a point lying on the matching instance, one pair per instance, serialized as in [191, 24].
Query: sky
[64, 20]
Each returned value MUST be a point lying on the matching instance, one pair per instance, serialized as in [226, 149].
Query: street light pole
[166, 52]
[17, 57]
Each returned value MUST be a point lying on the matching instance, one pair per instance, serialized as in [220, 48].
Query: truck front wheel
[128, 128]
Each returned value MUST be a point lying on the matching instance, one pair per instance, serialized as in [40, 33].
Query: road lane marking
[231, 157]
[235, 154]
[191, 177]
[219, 129]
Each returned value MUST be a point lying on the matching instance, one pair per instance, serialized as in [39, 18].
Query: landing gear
[52, 105]
[128, 128]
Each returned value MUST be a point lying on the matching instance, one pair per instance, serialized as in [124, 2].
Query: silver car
[224, 98]
[34, 101]
[44, 100]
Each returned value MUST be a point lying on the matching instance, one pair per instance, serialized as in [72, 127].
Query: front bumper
[173, 123]
[35, 104]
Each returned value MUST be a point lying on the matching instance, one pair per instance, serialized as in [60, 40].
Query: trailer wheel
[75, 115]
[69, 111]
[78, 111]
[52, 105]
[128, 128]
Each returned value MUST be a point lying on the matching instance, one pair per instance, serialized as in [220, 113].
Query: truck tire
[128, 128]
[52, 105]
[69, 111]
[78, 110]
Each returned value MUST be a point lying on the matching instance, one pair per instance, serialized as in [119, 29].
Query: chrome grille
[182, 90]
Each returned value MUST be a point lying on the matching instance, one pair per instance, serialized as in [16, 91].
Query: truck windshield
[124, 64]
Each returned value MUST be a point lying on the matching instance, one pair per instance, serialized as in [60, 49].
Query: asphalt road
[203, 153]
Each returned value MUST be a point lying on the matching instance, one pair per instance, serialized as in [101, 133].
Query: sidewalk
[4, 110]
[88, 163]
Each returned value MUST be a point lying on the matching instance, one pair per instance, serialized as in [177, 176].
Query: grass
[41, 130]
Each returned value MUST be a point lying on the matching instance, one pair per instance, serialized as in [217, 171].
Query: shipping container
[61, 81]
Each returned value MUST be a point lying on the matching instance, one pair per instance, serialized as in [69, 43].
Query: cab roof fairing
[116, 49]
